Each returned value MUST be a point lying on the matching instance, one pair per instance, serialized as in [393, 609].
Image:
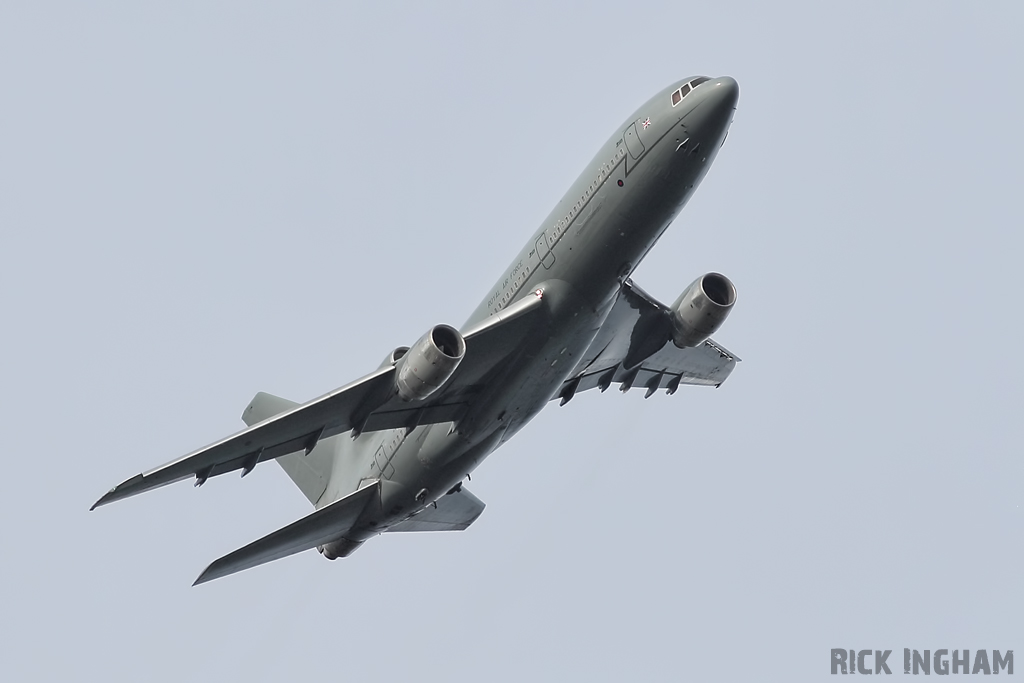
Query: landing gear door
[633, 144]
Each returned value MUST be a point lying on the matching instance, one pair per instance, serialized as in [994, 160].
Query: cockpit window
[678, 95]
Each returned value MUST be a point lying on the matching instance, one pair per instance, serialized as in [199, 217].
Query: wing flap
[702, 366]
[323, 526]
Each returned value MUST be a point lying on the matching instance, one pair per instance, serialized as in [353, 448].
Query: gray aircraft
[389, 452]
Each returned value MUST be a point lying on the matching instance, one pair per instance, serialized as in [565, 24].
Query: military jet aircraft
[389, 452]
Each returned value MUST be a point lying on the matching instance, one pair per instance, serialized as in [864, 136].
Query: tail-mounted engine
[701, 309]
[425, 367]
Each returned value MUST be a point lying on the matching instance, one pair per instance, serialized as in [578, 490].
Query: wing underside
[633, 350]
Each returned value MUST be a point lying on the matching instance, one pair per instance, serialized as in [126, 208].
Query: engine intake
[425, 367]
[701, 309]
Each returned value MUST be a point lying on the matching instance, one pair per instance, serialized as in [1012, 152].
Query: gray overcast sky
[200, 201]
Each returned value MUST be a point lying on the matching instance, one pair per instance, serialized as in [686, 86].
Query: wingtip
[208, 574]
[202, 578]
[122, 490]
[103, 500]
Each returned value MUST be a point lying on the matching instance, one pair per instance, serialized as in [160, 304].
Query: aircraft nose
[722, 97]
[709, 120]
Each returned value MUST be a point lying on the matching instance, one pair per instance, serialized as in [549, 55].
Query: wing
[452, 512]
[634, 349]
[368, 404]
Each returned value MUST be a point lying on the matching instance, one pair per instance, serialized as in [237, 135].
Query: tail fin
[312, 472]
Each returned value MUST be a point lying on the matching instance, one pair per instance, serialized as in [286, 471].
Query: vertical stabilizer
[312, 472]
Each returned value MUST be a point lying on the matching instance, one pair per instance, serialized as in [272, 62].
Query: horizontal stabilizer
[323, 526]
[454, 512]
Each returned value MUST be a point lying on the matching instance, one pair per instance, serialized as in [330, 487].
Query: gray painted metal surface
[563, 317]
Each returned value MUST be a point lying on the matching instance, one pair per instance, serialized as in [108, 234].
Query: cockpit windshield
[678, 95]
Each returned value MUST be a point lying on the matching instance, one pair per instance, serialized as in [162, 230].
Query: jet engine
[701, 309]
[425, 367]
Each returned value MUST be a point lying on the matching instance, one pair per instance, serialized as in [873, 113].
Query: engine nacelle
[701, 309]
[429, 363]
[393, 357]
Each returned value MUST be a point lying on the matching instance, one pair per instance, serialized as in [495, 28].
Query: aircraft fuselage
[579, 257]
